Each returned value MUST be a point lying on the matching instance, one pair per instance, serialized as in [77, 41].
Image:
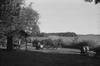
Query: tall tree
[29, 19]
[9, 9]
[16, 18]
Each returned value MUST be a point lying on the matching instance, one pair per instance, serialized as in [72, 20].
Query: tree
[9, 9]
[95, 1]
[15, 19]
[29, 19]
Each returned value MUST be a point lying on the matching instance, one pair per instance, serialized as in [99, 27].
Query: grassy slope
[34, 58]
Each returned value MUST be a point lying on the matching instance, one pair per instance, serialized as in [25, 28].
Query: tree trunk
[9, 43]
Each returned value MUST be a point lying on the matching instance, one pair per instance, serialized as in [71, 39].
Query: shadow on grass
[34, 58]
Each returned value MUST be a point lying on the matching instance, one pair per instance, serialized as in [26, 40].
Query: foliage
[28, 20]
[68, 34]
[15, 17]
[97, 49]
[9, 10]
[52, 43]
[65, 34]
[95, 1]
[80, 44]
[42, 35]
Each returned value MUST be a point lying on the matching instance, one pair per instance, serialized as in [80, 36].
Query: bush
[81, 44]
[49, 43]
[78, 45]
[89, 43]
[97, 50]
[57, 43]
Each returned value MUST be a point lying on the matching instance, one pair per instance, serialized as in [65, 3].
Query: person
[41, 46]
[86, 49]
[35, 43]
[82, 50]
[38, 45]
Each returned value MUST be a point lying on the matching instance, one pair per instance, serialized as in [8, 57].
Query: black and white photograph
[49, 32]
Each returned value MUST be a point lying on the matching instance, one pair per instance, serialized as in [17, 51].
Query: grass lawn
[34, 58]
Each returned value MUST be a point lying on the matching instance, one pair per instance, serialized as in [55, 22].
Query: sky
[67, 16]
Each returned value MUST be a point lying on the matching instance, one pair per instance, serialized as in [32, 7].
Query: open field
[51, 57]
[46, 58]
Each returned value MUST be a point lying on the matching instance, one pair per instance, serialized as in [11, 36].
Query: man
[84, 50]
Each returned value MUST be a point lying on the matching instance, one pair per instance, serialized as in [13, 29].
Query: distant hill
[65, 34]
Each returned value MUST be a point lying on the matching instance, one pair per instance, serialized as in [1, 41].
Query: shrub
[52, 43]
[89, 43]
[97, 50]
[57, 43]
[79, 44]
